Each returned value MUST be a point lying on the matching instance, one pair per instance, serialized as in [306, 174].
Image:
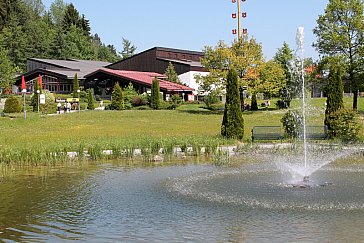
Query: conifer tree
[76, 86]
[155, 96]
[117, 98]
[254, 104]
[233, 122]
[90, 100]
[171, 74]
[334, 100]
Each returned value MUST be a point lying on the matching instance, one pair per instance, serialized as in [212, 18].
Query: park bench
[317, 132]
[267, 133]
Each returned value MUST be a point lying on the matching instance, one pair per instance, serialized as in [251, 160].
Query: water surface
[189, 203]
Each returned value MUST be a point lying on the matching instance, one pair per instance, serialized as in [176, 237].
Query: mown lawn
[104, 127]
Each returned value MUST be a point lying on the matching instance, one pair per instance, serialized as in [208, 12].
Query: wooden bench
[267, 133]
[316, 132]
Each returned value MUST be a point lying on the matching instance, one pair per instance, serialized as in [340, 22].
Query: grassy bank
[48, 138]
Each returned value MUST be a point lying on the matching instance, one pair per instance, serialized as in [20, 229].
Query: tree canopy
[28, 30]
[340, 32]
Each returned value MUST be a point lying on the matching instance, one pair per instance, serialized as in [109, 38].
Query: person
[65, 108]
[59, 105]
[68, 106]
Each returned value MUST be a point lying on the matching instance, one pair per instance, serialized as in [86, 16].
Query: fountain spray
[300, 53]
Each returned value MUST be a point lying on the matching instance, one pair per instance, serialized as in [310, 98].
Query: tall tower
[240, 15]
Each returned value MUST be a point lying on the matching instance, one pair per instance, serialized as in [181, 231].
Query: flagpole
[25, 107]
[24, 90]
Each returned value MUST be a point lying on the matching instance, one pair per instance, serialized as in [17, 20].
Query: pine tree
[117, 98]
[128, 48]
[334, 94]
[76, 86]
[233, 122]
[90, 100]
[155, 96]
[171, 74]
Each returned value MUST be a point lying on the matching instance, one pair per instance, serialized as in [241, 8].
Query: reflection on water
[177, 204]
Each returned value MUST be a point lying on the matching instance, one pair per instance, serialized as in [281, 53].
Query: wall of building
[190, 80]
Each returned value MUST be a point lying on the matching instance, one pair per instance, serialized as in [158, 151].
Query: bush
[12, 105]
[176, 101]
[344, 125]
[280, 104]
[293, 124]
[139, 100]
[211, 98]
[254, 104]
[90, 100]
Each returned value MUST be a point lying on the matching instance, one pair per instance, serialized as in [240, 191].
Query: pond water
[186, 203]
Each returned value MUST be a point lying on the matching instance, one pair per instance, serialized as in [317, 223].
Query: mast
[240, 31]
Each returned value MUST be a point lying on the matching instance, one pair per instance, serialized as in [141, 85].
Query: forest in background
[28, 30]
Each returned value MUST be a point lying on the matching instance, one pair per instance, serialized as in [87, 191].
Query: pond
[179, 203]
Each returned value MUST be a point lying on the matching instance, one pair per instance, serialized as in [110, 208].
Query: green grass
[47, 138]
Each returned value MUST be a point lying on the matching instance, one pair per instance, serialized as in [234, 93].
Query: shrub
[155, 96]
[211, 98]
[293, 124]
[50, 105]
[176, 101]
[344, 125]
[254, 104]
[12, 105]
[90, 100]
[139, 100]
[117, 98]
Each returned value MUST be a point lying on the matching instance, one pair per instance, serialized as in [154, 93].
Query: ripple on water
[263, 188]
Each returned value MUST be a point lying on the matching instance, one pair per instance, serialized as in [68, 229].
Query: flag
[23, 87]
[40, 81]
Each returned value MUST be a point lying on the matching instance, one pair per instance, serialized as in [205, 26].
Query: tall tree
[128, 49]
[76, 45]
[284, 57]
[155, 95]
[171, 74]
[244, 56]
[233, 123]
[340, 31]
[71, 17]
[57, 12]
[7, 69]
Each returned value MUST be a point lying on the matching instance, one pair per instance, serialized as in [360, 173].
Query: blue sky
[193, 24]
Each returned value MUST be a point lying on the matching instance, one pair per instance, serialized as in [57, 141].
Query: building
[186, 63]
[103, 81]
[57, 75]
[139, 69]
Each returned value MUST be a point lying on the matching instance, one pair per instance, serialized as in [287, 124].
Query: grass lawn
[133, 126]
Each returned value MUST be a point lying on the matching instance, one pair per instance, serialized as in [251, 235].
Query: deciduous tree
[340, 31]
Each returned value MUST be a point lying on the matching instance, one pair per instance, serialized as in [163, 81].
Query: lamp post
[38, 92]
[78, 93]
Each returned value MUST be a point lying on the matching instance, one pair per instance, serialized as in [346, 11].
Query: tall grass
[190, 131]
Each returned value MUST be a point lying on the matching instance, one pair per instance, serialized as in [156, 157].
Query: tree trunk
[355, 100]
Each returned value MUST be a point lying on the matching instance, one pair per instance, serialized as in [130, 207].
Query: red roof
[147, 79]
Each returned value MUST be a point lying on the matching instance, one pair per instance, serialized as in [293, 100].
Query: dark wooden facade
[158, 58]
